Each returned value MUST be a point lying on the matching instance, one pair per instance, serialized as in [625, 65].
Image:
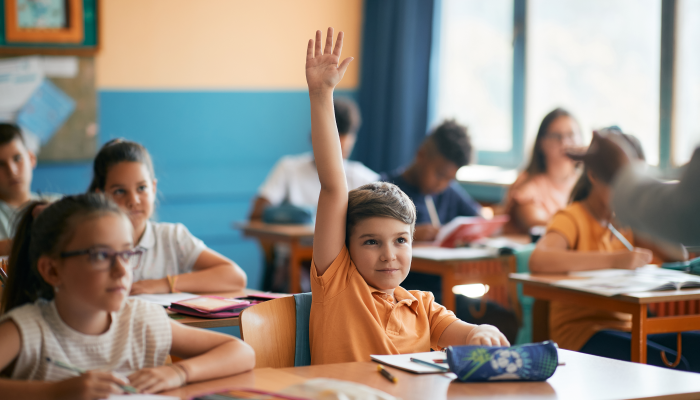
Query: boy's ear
[48, 271]
[32, 158]
[591, 177]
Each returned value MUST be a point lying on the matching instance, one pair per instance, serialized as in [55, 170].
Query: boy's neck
[17, 200]
[88, 322]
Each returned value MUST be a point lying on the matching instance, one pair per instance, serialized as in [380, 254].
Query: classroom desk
[463, 270]
[583, 377]
[212, 322]
[540, 287]
[293, 235]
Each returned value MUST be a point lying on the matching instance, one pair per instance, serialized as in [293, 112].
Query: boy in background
[295, 177]
[431, 177]
[16, 165]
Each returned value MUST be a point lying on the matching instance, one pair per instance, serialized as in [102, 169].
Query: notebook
[403, 361]
[464, 230]
[611, 282]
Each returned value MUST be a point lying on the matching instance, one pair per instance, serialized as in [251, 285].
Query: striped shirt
[138, 337]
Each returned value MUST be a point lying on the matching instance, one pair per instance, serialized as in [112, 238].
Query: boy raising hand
[362, 250]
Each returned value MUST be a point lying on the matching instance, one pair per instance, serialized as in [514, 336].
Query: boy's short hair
[378, 199]
[347, 115]
[9, 132]
[451, 140]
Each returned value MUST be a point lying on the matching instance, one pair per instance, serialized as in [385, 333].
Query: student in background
[362, 251]
[173, 259]
[295, 178]
[16, 166]
[66, 299]
[545, 185]
[578, 238]
[431, 177]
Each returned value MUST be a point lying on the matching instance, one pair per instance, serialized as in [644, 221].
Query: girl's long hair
[538, 162]
[45, 235]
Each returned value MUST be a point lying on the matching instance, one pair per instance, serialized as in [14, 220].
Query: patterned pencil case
[526, 362]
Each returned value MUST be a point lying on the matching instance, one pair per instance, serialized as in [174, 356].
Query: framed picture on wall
[44, 21]
[48, 27]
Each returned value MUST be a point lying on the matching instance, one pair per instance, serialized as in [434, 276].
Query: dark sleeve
[466, 206]
[666, 210]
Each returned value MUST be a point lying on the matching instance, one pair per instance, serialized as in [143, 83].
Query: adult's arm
[666, 210]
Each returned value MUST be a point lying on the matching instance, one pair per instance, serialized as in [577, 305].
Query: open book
[611, 282]
[464, 230]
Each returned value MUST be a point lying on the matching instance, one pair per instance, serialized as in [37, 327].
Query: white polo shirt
[296, 177]
[169, 249]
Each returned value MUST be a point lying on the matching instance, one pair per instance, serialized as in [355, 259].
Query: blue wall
[211, 151]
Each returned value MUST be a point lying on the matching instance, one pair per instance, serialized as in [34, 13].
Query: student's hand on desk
[150, 286]
[154, 380]
[91, 385]
[634, 259]
[425, 233]
[322, 69]
[486, 335]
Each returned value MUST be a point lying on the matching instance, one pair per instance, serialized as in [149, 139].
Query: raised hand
[322, 69]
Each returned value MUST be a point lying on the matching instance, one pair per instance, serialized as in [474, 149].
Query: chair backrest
[270, 328]
[302, 355]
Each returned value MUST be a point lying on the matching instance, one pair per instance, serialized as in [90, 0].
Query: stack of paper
[611, 282]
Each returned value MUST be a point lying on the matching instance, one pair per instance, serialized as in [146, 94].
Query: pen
[77, 370]
[386, 374]
[429, 364]
[619, 237]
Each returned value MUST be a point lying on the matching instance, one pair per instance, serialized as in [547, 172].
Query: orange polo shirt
[572, 325]
[351, 320]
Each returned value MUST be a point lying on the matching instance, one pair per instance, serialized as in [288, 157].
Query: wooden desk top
[280, 232]
[637, 297]
[583, 377]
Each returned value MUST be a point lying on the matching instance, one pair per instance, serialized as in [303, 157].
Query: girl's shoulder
[170, 231]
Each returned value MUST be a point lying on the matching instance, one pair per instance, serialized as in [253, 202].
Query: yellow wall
[219, 44]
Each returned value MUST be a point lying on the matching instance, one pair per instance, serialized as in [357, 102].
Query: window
[599, 59]
[687, 82]
[475, 78]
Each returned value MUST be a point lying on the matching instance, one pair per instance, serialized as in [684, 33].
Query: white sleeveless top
[138, 337]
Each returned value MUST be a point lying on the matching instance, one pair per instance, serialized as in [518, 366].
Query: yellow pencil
[386, 374]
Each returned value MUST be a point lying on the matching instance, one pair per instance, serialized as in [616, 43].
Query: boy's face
[380, 247]
[16, 165]
[347, 143]
[435, 172]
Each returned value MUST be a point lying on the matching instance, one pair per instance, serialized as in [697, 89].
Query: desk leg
[639, 335]
[448, 298]
[294, 268]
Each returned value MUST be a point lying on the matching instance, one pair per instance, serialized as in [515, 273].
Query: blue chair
[278, 331]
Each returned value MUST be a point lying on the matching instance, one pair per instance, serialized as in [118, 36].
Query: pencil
[429, 364]
[81, 371]
[619, 237]
[386, 374]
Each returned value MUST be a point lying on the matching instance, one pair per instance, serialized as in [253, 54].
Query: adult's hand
[606, 155]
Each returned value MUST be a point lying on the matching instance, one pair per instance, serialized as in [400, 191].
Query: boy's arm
[552, 255]
[460, 333]
[322, 75]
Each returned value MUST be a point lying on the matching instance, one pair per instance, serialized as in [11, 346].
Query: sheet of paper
[459, 253]
[140, 397]
[165, 299]
[403, 361]
[46, 111]
[19, 79]
[60, 66]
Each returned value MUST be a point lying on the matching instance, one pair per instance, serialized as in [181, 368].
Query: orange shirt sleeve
[438, 316]
[334, 280]
[564, 224]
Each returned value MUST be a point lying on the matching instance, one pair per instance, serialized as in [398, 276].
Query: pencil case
[526, 362]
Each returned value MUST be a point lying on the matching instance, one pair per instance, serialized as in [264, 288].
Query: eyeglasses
[104, 259]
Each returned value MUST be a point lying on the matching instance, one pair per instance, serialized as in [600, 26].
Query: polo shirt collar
[401, 295]
[148, 240]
